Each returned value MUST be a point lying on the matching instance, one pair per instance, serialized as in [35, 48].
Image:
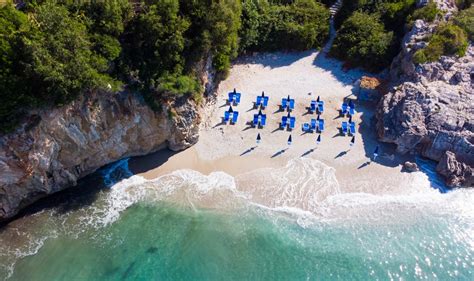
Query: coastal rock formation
[56, 147]
[410, 167]
[431, 108]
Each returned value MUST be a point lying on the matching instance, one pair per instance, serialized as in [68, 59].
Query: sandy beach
[304, 76]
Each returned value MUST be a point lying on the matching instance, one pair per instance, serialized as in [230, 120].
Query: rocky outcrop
[431, 108]
[56, 147]
[456, 172]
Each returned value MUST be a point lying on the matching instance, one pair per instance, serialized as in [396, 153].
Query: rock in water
[456, 172]
[410, 167]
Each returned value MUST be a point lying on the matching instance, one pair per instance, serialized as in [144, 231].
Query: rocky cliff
[430, 109]
[56, 147]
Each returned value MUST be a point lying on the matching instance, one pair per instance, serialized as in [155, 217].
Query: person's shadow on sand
[364, 165]
[278, 153]
[248, 151]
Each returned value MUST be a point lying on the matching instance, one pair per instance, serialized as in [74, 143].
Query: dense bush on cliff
[392, 15]
[448, 39]
[465, 20]
[427, 13]
[293, 25]
[363, 41]
[52, 51]
[50, 59]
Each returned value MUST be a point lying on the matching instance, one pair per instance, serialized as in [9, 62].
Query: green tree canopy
[363, 41]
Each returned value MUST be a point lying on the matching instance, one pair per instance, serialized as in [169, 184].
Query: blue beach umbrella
[230, 109]
[258, 138]
[290, 140]
[353, 141]
[318, 140]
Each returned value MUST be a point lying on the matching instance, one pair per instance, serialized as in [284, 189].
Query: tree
[363, 41]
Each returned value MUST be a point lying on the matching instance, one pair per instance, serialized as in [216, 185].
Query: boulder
[410, 167]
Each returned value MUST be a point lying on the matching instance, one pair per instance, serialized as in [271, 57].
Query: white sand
[304, 76]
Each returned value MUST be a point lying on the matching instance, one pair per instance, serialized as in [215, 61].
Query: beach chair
[235, 116]
[313, 106]
[321, 106]
[352, 128]
[313, 124]
[292, 122]
[351, 111]
[351, 108]
[344, 128]
[284, 103]
[226, 116]
[237, 98]
[344, 108]
[321, 125]
[258, 101]
[263, 120]
[255, 120]
[265, 101]
[284, 121]
[292, 104]
[306, 127]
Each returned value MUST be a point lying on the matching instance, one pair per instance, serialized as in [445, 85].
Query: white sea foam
[305, 190]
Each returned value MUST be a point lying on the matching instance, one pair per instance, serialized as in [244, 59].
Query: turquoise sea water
[123, 234]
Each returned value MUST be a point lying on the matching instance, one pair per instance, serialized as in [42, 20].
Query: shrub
[363, 41]
[448, 40]
[297, 25]
[179, 85]
[465, 20]
[427, 13]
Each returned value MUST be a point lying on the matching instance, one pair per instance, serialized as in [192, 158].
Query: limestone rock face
[56, 147]
[456, 172]
[431, 107]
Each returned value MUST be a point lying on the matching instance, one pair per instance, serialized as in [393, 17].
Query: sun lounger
[321, 125]
[292, 104]
[284, 102]
[352, 128]
[258, 102]
[237, 98]
[306, 127]
[255, 119]
[263, 120]
[226, 116]
[284, 121]
[235, 116]
[313, 124]
[265, 101]
[351, 108]
[351, 111]
[344, 128]
[344, 108]
[313, 106]
[292, 122]
[321, 106]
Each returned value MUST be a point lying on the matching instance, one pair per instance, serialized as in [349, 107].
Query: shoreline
[304, 76]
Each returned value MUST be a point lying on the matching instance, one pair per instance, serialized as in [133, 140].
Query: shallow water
[188, 226]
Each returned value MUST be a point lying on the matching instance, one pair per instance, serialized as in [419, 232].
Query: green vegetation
[465, 20]
[449, 39]
[387, 18]
[363, 41]
[269, 26]
[427, 13]
[51, 51]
